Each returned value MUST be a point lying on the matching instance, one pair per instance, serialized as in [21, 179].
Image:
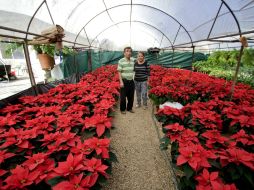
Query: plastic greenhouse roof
[113, 24]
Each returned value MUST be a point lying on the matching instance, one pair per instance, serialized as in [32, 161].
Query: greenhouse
[124, 95]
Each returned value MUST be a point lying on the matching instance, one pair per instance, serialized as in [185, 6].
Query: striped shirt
[126, 68]
[142, 71]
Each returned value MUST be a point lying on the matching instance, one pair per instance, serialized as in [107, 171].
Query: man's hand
[121, 84]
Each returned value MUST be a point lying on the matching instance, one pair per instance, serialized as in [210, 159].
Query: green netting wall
[75, 64]
[79, 63]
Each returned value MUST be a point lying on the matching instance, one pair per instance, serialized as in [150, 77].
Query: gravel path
[141, 164]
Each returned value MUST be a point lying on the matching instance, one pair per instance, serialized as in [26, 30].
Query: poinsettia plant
[186, 87]
[57, 140]
[211, 137]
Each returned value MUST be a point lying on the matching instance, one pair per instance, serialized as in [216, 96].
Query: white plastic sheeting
[112, 24]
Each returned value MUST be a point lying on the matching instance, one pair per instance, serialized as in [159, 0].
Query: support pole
[190, 75]
[90, 60]
[29, 67]
[173, 57]
[193, 57]
[236, 72]
[76, 68]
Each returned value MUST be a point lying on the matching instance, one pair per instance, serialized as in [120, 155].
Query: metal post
[29, 67]
[190, 75]
[236, 72]
[75, 64]
[173, 57]
[89, 60]
[193, 53]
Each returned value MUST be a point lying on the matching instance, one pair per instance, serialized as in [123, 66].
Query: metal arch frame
[176, 35]
[116, 24]
[170, 17]
[214, 38]
[32, 18]
[223, 1]
[218, 16]
[73, 10]
[87, 38]
[32, 34]
[214, 21]
[107, 10]
[39, 7]
[231, 12]
[161, 41]
[235, 18]
[148, 6]
[49, 12]
[134, 21]
[228, 7]
[246, 5]
[155, 39]
[222, 48]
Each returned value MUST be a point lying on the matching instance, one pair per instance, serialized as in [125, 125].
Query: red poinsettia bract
[20, 177]
[212, 181]
[237, 156]
[101, 146]
[196, 156]
[95, 165]
[35, 160]
[73, 164]
[77, 182]
[100, 122]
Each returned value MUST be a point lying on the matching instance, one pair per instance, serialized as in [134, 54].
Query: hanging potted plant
[45, 55]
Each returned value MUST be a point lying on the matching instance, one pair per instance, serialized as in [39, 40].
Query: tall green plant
[248, 57]
[11, 47]
[222, 64]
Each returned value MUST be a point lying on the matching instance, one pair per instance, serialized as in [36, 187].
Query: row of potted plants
[60, 139]
[211, 137]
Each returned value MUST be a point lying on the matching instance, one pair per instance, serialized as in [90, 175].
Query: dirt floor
[141, 163]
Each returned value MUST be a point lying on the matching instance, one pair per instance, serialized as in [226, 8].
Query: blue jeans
[141, 91]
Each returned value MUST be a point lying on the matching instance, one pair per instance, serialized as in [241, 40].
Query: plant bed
[60, 140]
[222, 64]
[211, 137]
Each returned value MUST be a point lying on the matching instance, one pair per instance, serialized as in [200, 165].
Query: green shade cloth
[79, 62]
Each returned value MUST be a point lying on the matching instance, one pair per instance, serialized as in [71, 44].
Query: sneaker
[131, 111]
[123, 112]
[138, 105]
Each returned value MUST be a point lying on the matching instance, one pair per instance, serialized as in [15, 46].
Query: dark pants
[127, 92]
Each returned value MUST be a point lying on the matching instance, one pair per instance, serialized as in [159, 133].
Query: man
[126, 75]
